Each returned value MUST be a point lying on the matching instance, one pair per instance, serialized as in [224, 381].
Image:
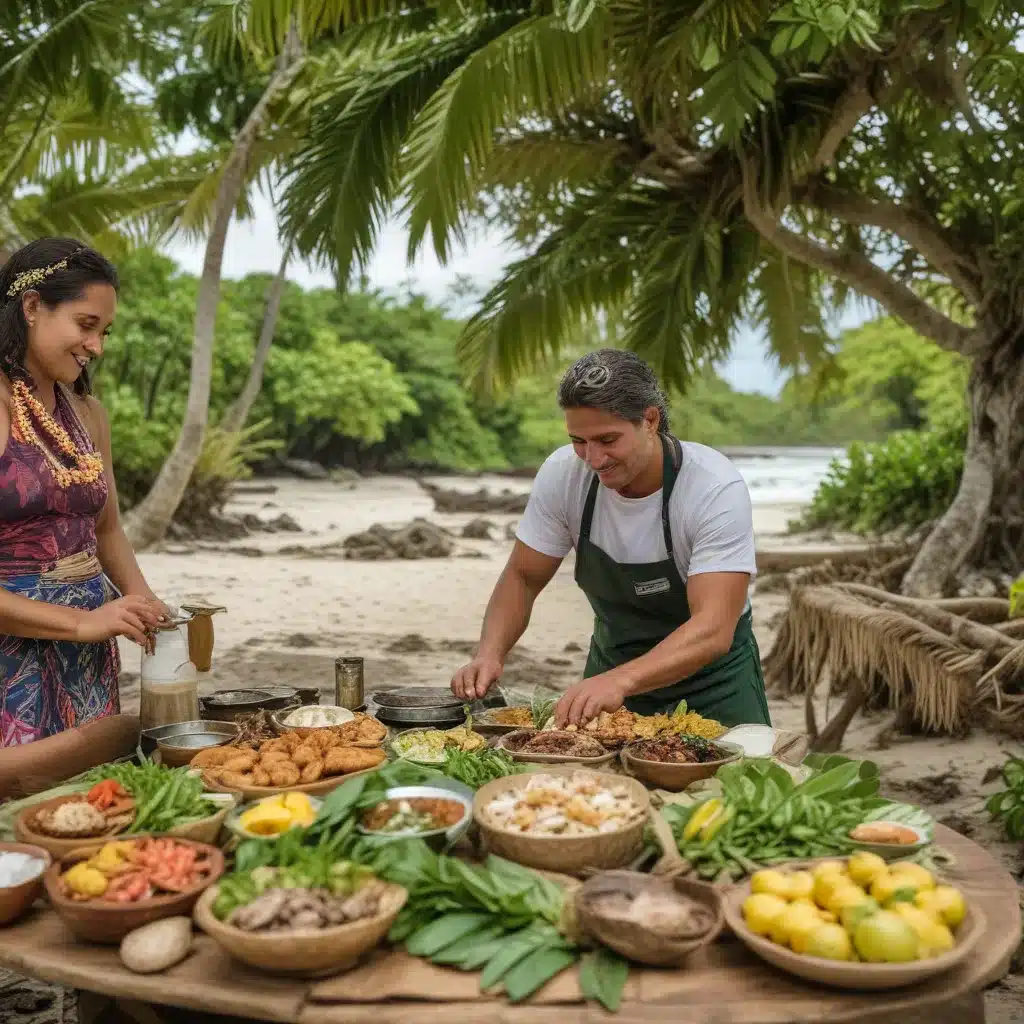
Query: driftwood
[932, 661]
[790, 558]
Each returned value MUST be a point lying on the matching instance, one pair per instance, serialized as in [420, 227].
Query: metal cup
[348, 683]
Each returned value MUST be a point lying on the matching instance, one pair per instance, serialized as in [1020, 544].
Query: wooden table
[724, 984]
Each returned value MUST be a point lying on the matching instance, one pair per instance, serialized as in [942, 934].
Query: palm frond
[344, 179]
[537, 68]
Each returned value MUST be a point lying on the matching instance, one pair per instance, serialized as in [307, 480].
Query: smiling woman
[64, 558]
[664, 541]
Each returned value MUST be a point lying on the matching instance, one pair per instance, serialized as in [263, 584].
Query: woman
[664, 544]
[64, 556]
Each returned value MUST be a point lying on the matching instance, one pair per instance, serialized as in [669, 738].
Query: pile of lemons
[860, 909]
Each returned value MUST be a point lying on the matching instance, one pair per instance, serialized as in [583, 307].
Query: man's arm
[525, 575]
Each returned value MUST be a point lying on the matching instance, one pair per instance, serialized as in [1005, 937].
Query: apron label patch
[648, 587]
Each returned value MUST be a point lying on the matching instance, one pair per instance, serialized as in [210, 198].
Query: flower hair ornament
[30, 278]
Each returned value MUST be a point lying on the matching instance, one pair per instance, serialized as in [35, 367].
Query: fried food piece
[343, 760]
[284, 774]
[323, 739]
[312, 772]
[213, 757]
[277, 746]
[235, 780]
[362, 729]
[240, 763]
[305, 753]
[291, 740]
[261, 775]
[273, 757]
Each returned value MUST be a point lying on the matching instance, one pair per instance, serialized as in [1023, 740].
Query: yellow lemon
[885, 938]
[886, 887]
[865, 867]
[921, 877]
[828, 867]
[829, 941]
[944, 903]
[827, 916]
[801, 885]
[848, 895]
[825, 885]
[770, 881]
[796, 922]
[760, 911]
[935, 938]
[852, 914]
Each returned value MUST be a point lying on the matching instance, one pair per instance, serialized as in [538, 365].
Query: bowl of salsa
[438, 814]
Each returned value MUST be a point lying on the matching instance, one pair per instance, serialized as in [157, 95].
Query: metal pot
[229, 705]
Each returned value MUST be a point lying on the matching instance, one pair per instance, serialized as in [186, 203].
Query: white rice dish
[559, 805]
[318, 716]
[16, 868]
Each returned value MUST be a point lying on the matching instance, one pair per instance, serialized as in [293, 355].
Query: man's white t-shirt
[709, 515]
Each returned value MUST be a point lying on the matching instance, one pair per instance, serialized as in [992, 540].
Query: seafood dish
[560, 805]
[429, 745]
[127, 871]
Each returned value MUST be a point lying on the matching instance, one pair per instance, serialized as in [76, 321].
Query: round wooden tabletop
[724, 983]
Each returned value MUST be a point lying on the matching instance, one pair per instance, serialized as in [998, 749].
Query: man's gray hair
[616, 381]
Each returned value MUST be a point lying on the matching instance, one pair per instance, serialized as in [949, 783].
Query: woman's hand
[132, 616]
[472, 681]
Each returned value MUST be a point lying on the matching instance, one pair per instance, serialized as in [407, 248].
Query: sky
[253, 247]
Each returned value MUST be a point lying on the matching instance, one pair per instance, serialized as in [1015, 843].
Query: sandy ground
[416, 622]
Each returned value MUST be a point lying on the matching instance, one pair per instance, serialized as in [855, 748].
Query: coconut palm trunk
[238, 413]
[148, 521]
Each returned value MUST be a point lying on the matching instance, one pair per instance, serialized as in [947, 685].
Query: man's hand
[472, 681]
[584, 701]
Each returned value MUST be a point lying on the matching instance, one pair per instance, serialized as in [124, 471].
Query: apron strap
[673, 460]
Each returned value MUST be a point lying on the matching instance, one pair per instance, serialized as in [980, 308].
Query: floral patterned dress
[48, 553]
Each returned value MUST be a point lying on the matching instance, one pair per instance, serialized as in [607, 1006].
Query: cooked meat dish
[566, 744]
[679, 750]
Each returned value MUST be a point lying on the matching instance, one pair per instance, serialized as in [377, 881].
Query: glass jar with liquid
[169, 682]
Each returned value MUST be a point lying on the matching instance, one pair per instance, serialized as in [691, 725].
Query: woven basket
[570, 855]
[633, 940]
[306, 953]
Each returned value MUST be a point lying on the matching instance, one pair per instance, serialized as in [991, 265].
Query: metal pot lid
[417, 697]
[228, 698]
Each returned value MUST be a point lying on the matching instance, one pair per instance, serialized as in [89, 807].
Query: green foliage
[1007, 806]
[904, 481]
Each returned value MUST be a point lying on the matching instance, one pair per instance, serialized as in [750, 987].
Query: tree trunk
[984, 524]
[148, 521]
[236, 416]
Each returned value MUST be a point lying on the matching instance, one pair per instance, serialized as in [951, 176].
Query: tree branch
[852, 105]
[856, 270]
[914, 227]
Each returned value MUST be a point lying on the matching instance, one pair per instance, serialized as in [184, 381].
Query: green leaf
[443, 932]
[517, 947]
[536, 970]
[603, 976]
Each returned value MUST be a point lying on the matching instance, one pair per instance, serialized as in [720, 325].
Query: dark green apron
[637, 605]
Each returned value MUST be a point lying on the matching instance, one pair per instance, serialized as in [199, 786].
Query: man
[664, 542]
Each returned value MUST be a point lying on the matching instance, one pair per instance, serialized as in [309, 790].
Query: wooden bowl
[16, 899]
[847, 974]
[674, 777]
[325, 785]
[109, 923]
[302, 953]
[26, 831]
[633, 940]
[518, 755]
[569, 855]
[487, 726]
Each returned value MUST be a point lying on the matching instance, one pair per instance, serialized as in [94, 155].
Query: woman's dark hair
[616, 381]
[85, 266]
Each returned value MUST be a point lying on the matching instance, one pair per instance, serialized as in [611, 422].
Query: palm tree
[675, 168]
